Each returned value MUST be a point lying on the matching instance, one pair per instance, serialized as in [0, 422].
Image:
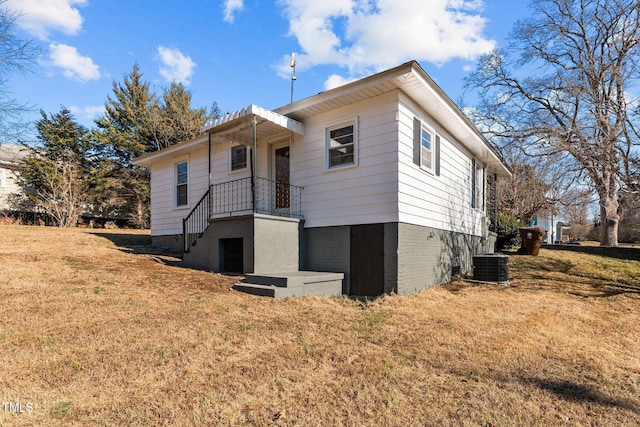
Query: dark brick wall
[415, 257]
[427, 256]
[327, 249]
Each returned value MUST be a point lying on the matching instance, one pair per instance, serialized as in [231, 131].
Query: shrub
[507, 229]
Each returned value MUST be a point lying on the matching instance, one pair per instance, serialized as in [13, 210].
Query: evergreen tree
[135, 123]
[124, 134]
[57, 171]
[124, 128]
[176, 120]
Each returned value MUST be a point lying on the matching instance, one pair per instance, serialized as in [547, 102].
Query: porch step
[292, 284]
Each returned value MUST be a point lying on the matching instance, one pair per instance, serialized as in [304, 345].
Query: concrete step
[269, 290]
[292, 278]
[293, 283]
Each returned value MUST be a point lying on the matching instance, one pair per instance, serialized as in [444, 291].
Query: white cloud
[74, 65]
[89, 112]
[335, 80]
[175, 66]
[40, 17]
[365, 36]
[231, 7]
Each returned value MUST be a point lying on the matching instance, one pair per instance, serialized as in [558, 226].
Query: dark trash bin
[531, 239]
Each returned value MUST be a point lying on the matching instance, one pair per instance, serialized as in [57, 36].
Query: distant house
[382, 181]
[11, 162]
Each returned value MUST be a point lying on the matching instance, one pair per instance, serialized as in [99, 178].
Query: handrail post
[185, 238]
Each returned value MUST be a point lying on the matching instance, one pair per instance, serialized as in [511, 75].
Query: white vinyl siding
[386, 185]
[166, 219]
[439, 199]
[350, 195]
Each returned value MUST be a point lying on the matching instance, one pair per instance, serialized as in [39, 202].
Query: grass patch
[161, 344]
[61, 409]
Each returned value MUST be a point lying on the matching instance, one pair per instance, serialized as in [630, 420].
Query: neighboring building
[11, 162]
[554, 228]
[382, 180]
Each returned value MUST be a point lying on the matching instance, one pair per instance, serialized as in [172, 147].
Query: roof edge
[255, 110]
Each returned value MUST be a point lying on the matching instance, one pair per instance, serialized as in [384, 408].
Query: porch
[241, 197]
[253, 224]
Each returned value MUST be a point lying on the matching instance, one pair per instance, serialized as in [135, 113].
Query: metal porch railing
[196, 222]
[270, 197]
[236, 197]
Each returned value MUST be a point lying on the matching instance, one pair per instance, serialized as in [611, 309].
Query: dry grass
[94, 331]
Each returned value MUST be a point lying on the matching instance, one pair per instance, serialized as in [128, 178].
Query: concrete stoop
[292, 284]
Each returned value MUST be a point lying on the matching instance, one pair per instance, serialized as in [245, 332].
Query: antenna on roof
[293, 72]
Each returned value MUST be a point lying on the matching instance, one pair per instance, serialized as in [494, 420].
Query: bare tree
[575, 210]
[561, 89]
[630, 216]
[16, 56]
[62, 194]
[57, 172]
[525, 192]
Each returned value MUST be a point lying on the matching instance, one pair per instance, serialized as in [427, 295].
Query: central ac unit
[492, 268]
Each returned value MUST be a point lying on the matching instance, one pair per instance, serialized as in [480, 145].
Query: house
[11, 162]
[374, 187]
[554, 226]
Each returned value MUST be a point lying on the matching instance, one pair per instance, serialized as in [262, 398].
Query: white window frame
[246, 159]
[478, 185]
[176, 182]
[480, 178]
[432, 139]
[327, 151]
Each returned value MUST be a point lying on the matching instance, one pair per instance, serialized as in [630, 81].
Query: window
[341, 143]
[426, 147]
[238, 157]
[474, 178]
[477, 185]
[480, 178]
[182, 179]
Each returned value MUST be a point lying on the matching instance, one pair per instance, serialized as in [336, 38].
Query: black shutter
[437, 155]
[417, 130]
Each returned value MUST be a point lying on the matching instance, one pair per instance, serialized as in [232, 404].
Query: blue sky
[236, 52]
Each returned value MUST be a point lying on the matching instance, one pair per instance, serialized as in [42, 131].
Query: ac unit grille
[491, 268]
